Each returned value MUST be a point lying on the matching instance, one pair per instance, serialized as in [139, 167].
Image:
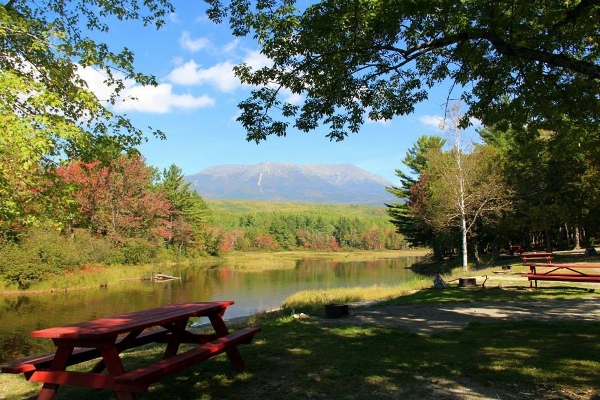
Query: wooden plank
[164, 277]
[536, 256]
[566, 265]
[154, 372]
[566, 278]
[118, 324]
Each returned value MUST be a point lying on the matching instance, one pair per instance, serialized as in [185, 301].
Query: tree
[554, 177]
[47, 113]
[465, 188]
[118, 201]
[527, 62]
[190, 213]
[404, 213]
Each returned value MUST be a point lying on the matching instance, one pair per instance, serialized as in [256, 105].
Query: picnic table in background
[516, 249]
[106, 338]
[577, 272]
[535, 256]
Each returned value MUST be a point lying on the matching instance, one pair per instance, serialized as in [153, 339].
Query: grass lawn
[304, 359]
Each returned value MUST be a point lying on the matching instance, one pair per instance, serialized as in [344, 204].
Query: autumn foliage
[117, 200]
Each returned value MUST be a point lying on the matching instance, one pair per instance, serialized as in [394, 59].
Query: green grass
[476, 295]
[301, 359]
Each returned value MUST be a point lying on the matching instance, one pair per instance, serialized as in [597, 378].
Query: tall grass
[312, 301]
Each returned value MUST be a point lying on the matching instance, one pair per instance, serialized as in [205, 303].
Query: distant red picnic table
[535, 256]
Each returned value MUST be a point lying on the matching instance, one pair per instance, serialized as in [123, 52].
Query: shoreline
[237, 260]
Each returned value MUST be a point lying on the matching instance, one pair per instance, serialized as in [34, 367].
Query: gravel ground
[427, 318]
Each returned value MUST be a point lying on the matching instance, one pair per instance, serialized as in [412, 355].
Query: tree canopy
[530, 62]
[47, 112]
[45, 45]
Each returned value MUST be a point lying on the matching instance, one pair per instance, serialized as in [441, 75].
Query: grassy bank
[300, 359]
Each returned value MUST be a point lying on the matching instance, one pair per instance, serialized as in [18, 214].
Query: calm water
[252, 291]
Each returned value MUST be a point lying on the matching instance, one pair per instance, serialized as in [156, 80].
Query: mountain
[286, 182]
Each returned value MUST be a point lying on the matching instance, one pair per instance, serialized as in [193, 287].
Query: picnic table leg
[114, 366]
[174, 339]
[121, 346]
[48, 391]
[232, 353]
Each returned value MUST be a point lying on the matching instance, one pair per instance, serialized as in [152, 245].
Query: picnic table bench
[577, 272]
[106, 338]
[526, 257]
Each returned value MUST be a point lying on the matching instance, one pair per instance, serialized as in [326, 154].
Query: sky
[195, 103]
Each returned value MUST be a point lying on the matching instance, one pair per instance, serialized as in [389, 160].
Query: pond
[252, 290]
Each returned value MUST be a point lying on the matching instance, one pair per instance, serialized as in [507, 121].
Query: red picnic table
[575, 272]
[535, 256]
[107, 338]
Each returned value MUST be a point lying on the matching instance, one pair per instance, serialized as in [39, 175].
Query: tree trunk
[464, 245]
[577, 238]
[548, 241]
[495, 251]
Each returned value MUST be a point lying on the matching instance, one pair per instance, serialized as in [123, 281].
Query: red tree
[118, 200]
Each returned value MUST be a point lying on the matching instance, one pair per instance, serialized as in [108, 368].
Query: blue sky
[195, 103]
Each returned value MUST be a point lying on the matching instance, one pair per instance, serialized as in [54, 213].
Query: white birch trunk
[464, 246]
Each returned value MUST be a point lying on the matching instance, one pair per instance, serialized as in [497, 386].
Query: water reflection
[253, 291]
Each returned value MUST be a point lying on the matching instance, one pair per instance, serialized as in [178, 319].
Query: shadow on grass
[292, 359]
[509, 293]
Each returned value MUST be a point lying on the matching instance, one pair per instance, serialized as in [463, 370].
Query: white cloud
[256, 60]
[158, 99]
[435, 121]
[95, 81]
[475, 122]
[193, 45]
[220, 75]
[231, 46]
[292, 98]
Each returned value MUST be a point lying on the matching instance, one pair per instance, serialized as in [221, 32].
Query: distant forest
[254, 225]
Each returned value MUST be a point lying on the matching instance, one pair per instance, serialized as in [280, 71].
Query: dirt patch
[427, 318]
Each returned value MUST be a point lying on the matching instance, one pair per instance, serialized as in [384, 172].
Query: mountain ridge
[279, 181]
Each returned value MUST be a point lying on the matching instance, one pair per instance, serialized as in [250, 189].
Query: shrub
[44, 251]
[20, 268]
[137, 251]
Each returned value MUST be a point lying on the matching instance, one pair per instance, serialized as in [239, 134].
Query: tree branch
[557, 60]
[582, 9]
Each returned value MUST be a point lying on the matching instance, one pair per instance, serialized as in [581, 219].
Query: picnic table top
[566, 265]
[118, 324]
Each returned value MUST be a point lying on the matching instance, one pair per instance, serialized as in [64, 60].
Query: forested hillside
[245, 225]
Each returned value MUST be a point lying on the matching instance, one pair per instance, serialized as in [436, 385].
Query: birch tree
[465, 187]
